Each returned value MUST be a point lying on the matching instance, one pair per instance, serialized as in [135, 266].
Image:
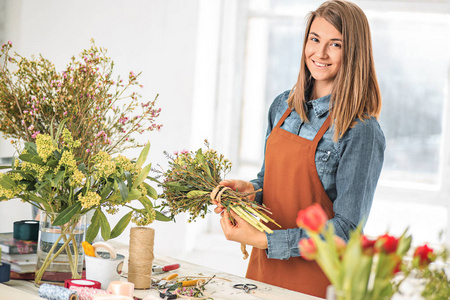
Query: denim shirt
[348, 169]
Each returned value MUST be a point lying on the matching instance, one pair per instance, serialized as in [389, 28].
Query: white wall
[157, 37]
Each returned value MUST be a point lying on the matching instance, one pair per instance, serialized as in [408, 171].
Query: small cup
[103, 268]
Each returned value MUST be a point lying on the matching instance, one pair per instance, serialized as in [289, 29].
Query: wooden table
[219, 288]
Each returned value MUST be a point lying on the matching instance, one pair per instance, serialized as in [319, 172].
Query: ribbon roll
[87, 293]
[82, 283]
[106, 246]
[53, 292]
[26, 230]
[121, 288]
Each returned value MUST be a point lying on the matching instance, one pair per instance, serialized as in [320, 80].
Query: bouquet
[99, 111]
[48, 174]
[368, 268]
[192, 182]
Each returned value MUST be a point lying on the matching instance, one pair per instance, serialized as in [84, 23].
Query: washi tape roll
[121, 288]
[26, 230]
[87, 293]
[5, 270]
[53, 292]
[82, 283]
[106, 246]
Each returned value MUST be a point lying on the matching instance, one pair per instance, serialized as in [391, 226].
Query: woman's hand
[241, 231]
[236, 185]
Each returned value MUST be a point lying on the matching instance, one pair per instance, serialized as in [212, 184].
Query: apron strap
[285, 115]
[322, 130]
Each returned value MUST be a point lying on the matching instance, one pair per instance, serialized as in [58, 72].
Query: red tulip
[312, 218]
[387, 243]
[367, 245]
[425, 255]
[308, 249]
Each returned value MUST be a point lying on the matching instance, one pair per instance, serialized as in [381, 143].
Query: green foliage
[192, 180]
[48, 175]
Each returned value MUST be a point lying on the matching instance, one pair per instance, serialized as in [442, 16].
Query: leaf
[151, 192]
[141, 177]
[143, 155]
[121, 225]
[93, 227]
[5, 167]
[195, 194]
[67, 214]
[133, 195]
[128, 177]
[123, 188]
[161, 217]
[146, 202]
[26, 157]
[104, 224]
[201, 159]
[57, 179]
[31, 148]
[7, 183]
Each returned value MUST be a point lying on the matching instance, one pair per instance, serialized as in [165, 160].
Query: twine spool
[140, 258]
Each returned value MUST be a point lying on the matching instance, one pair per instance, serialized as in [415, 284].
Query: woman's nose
[321, 51]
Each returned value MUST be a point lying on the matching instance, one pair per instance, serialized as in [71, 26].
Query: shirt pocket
[326, 161]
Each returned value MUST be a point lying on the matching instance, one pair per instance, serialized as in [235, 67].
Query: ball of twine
[141, 256]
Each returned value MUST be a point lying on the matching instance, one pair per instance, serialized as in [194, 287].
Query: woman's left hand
[241, 231]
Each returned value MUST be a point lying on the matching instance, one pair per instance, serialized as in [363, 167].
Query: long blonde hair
[355, 93]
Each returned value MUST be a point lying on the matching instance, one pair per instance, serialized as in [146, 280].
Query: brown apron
[291, 183]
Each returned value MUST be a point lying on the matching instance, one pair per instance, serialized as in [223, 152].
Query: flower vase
[60, 254]
[336, 294]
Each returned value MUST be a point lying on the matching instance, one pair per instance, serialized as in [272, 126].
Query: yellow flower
[68, 139]
[104, 165]
[77, 178]
[142, 217]
[68, 161]
[90, 199]
[124, 163]
[44, 146]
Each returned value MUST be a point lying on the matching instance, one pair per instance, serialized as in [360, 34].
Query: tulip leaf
[121, 225]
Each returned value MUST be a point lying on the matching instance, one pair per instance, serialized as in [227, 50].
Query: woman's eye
[315, 39]
[337, 45]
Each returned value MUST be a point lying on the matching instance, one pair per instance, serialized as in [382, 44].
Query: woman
[324, 145]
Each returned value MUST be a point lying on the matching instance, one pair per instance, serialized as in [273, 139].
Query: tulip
[387, 243]
[367, 245]
[312, 218]
[424, 255]
[308, 249]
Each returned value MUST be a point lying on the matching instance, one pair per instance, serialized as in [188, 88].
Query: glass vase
[60, 254]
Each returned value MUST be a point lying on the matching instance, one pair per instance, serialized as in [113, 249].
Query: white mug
[104, 270]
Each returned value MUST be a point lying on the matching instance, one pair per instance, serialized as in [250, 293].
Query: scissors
[244, 286]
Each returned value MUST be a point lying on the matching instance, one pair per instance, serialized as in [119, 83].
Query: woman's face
[323, 52]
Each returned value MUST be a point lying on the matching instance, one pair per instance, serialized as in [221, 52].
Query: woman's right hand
[236, 185]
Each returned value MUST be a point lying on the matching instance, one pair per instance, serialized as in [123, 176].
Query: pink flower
[308, 249]
[65, 113]
[31, 127]
[312, 218]
[35, 134]
[87, 150]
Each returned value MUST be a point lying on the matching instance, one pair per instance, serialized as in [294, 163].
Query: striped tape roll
[53, 292]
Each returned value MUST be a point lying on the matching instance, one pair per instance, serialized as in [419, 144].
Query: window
[412, 61]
